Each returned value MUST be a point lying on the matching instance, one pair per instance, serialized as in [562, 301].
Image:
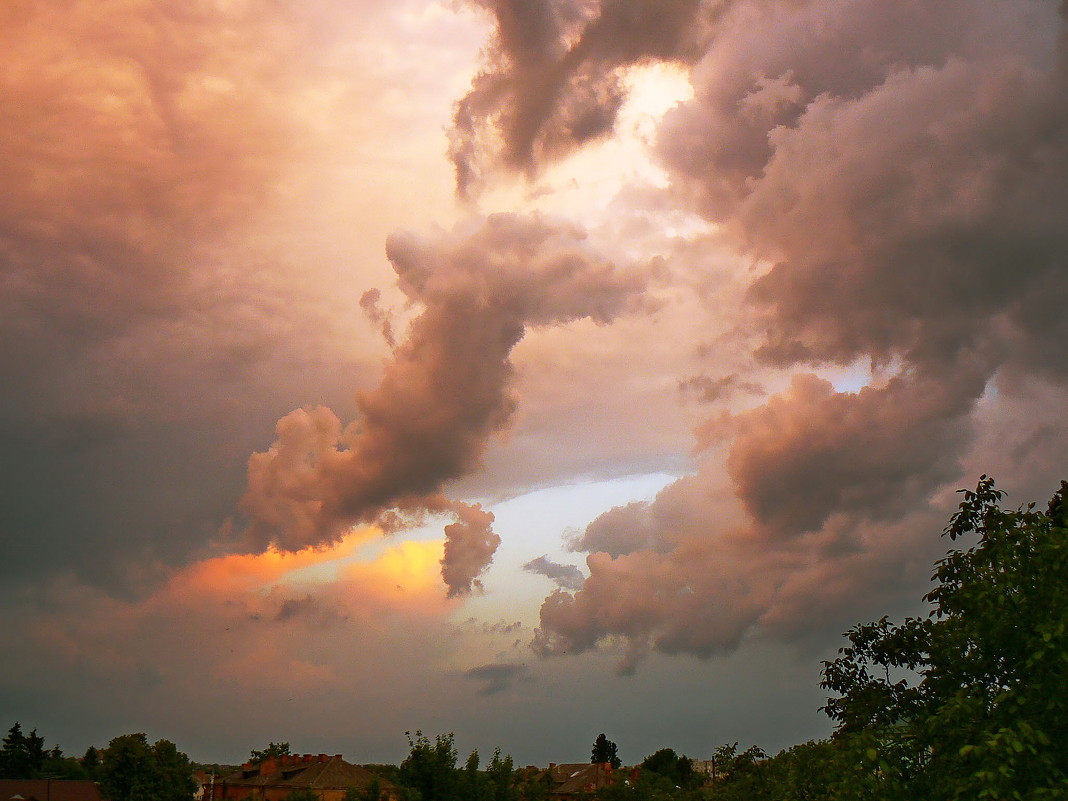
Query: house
[329, 777]
[48, 790]
[572, 780]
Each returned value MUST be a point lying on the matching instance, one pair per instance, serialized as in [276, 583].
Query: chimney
[307, 757]
[322, 757]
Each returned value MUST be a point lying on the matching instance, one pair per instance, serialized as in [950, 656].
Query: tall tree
[430, 768]
[22, 755]
[501, 777]
[971, 701]
[132, 770]
[678, 770]
[604, 750]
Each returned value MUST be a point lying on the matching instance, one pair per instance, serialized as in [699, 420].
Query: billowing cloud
[907, 200]
[445, 391]
[567, 577]
[554, 78]
[811, 452]
[469, 547]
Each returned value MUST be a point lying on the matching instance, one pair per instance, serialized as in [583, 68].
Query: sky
[523, 369]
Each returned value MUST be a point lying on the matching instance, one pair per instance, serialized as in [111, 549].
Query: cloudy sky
[520, 368]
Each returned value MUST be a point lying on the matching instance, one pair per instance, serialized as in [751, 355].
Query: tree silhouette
[604, 750]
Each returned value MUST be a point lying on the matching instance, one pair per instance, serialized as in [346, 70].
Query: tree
[132, 770]
[430, 768]
[22, 755]
[604, 750]
[678, 770]
[302, 795]
[91, 762]
[272, 751]
[500, 775]
[972, 700]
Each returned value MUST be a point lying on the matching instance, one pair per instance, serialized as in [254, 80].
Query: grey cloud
[496, 678]
[127, 338]
[552, 81]
[909, 197]
[903, 173]
[811, 452]
[566, 577]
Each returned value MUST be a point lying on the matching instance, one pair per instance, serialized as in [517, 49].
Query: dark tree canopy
[971, 701]
[430, 767]
[133, 770]
[272, 751]
[678, 770]
[604, 750]
[22, 755]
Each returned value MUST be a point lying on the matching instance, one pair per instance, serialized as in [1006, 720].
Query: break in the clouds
[444, 392]
[902, 173]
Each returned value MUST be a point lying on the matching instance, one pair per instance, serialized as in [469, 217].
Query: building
[329, 777]
[572, 780]
[48, 790]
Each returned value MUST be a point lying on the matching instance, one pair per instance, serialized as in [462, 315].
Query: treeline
[969, 702]
[129, 769]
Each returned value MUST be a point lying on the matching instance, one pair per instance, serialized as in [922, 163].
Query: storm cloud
[553, 78]
[900, 175]
[444, 392]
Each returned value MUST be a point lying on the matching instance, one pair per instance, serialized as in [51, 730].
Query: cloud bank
[901, 175]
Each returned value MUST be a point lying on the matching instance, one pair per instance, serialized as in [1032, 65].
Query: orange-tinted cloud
[444, 392]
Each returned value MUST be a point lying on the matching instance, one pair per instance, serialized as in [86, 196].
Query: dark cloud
[908, 196]
[496, 678]
[812, 452]
[445, 391]
[553, 78]
[566, 577]
[902, 174]
[138, 147]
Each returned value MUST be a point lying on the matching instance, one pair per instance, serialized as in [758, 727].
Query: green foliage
[22, 755]
[272, 751]
[133, 770]
[430, 768]
[604, 750]
[531, 785]
[385, 771]
[372, 793]
[677, 770]
[91, 762]
[970, 702]
[500, 778]
[302, 795]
